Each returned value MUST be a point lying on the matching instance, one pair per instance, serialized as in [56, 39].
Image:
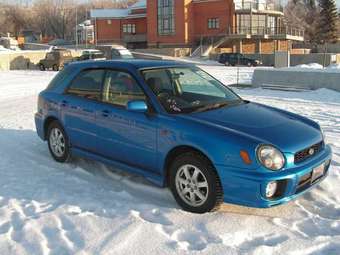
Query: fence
[22, 60]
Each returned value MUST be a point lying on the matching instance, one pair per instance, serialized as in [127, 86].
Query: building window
[252, 24]
[129, 28]
[213, 23]
[243, 24]
[166, 17]
[109, 22]
[258, 24]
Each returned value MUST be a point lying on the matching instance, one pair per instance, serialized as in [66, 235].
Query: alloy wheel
[192, 185]
[57, 142]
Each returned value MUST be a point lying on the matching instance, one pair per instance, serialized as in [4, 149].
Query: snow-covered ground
[87, 208]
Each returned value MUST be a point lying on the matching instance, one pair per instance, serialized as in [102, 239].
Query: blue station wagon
[179, 127]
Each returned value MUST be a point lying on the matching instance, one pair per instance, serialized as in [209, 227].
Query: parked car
[234, 59]
[87, 55]
[59, 42]
[179, 127]
[91, 55]
[115, 52]
[55, 59]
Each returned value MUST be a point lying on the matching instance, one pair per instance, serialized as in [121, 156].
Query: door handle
[105, 113]
[87, 110]
[64, 103]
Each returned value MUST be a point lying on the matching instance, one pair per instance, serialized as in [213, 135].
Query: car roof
[129, 63]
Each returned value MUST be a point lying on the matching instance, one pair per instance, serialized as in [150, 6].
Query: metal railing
[255, 30]
[272, 31]
[255, 5]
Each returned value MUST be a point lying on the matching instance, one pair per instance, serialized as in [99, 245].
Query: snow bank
[314, 67]
[311, 65]
[87, 208]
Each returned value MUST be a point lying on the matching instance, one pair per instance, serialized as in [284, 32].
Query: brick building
[230, 25]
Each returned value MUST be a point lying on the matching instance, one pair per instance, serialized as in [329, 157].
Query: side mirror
[137, 106]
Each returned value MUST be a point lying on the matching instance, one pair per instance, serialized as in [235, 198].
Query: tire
[249, 64]
[42, 67]
[55, 68]
[198, 195]
[226, 63]
[58, 142]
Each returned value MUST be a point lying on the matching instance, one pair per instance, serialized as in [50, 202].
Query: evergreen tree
[327, 27]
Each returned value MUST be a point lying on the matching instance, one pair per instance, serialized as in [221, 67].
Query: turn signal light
[245, 156]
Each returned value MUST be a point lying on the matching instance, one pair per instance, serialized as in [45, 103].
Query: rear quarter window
[59, 78]
[87, 84]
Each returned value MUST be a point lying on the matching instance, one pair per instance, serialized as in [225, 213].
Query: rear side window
[120, 88]
[50, 56]
[87, 84]
[59, 78]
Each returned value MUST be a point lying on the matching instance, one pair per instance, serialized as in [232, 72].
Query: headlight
[270, 157]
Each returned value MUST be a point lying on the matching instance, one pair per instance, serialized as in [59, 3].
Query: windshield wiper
[210, 107]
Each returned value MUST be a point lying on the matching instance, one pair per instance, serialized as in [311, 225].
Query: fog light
[271, 189]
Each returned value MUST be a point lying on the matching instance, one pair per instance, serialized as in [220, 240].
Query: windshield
[188, 89]
[125, 54]
[67, 54]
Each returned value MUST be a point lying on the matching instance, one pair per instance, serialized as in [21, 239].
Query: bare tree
[53, 18]
[304, 13]
[14, 18]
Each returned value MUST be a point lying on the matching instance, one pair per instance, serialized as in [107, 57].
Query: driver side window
[120, 88]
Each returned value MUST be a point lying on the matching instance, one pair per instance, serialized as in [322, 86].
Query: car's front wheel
[42, 67]
[58, 142]
[195, 183]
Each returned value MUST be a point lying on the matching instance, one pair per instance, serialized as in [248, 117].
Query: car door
[79, 106]
[233, 59]
[125, 136]
[50, 58]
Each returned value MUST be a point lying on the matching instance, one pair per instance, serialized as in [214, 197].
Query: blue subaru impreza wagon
[177, 126]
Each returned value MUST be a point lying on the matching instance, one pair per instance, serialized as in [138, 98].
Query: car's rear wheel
[226, 63]
[195, 183]
[58, 142]
[42, 67]
[55, 68]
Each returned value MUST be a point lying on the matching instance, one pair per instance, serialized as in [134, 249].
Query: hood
[288, 132]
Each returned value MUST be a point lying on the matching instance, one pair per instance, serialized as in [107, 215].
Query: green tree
[327, 27]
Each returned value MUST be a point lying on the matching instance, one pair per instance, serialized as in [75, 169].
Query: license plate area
[318, 172]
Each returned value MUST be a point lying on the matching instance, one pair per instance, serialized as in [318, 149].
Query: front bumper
[247, 187]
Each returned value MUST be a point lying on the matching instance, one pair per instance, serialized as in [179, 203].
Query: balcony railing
[248, 32]
[254, 5]
[271, 31]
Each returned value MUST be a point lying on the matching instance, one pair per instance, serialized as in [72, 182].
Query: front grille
[306, 153]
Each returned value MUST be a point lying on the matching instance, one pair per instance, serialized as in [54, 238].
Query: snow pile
[314, 67]
[311, 65]
[334, 66]
[87, 208]
[3, 49]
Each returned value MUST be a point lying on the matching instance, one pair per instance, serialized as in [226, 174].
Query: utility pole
[76, 28]
[86, 27]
